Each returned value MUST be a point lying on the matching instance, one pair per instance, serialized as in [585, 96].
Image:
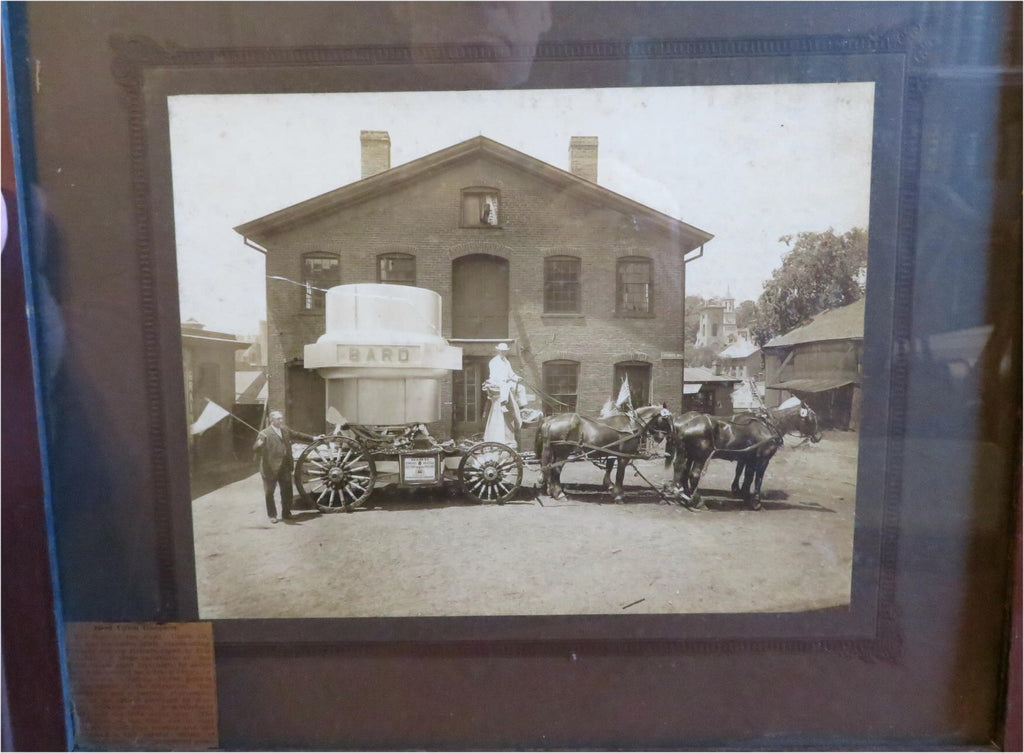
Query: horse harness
[766, 420]
[605, 449]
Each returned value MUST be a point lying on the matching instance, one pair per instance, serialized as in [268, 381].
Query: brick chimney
[376, 152]
[583, 157]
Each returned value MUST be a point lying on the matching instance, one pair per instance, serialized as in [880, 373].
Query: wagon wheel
[491, 472]
[335, 473]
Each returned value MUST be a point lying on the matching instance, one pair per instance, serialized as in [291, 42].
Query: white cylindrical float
[382, 354]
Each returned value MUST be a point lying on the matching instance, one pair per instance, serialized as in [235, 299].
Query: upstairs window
[396, 269]
[480, 207]
[320, 272]
[633, 287]
[561, 381]
[561, 285]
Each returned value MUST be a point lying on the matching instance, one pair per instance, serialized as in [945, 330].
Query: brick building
[585, 285]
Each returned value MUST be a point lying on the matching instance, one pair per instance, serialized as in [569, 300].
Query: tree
[694, 303]
[746, 314]
[819, 273]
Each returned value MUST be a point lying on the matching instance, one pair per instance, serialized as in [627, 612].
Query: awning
[691, 389]
[812, 385]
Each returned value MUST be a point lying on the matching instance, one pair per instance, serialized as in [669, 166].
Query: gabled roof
[739, 349]
[690, 237]
[845, 323]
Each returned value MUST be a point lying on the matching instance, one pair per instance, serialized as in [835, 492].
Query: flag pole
[243, 422]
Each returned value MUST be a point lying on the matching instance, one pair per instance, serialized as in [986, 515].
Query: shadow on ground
[398, 499]
[205, 480]
[723, 500]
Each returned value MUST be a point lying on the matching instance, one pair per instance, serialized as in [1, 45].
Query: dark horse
[797, 418]
[748, 439]
[610, 438]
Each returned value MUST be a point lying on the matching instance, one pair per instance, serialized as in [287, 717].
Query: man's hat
[276, 413]
[501, 347]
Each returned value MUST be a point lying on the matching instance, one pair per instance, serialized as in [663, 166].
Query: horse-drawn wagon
[382, 358]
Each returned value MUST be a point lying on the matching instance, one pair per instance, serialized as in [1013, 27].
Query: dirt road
[431, 552]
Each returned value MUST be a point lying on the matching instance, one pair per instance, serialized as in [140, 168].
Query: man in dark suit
[274, 449]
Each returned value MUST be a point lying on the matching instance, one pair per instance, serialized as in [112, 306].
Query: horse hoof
[755, 504]
[560, 497]
[620, 500]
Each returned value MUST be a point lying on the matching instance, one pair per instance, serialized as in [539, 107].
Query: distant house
[820, 363]
[707, 392]
[208, 360]
[742, 359]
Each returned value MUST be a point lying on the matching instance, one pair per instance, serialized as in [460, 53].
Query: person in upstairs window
[273, 448]
[489, 212]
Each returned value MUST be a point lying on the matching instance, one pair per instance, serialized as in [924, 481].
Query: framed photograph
[652, 360]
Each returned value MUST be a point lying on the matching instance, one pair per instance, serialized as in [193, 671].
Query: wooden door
[480, 297]
[639, 374]
[468, 400]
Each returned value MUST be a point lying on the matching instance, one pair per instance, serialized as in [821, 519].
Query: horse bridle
[645, 426]
[814, 436]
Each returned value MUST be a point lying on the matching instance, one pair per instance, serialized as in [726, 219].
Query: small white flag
[211, 414]
[624, 398]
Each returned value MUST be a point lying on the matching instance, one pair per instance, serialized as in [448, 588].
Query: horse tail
[538, 439]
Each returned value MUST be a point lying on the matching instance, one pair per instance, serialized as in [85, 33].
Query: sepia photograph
[523, 352]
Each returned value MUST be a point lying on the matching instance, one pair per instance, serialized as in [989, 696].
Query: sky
[748, 164]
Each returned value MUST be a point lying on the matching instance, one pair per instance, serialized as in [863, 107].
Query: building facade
[208, 362]
[585, 285]
[820, 363]
[717, 326]
[707, 392]
[742, 359]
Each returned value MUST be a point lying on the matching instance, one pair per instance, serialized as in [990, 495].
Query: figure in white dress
[503, 388]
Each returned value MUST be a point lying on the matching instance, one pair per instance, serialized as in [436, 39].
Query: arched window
[561, 381]
[562, 285]
[320, 272]
[396, 269]
[634, 287]
[480, 207]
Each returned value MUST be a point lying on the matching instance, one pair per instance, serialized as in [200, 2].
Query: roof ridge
[372, 185]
